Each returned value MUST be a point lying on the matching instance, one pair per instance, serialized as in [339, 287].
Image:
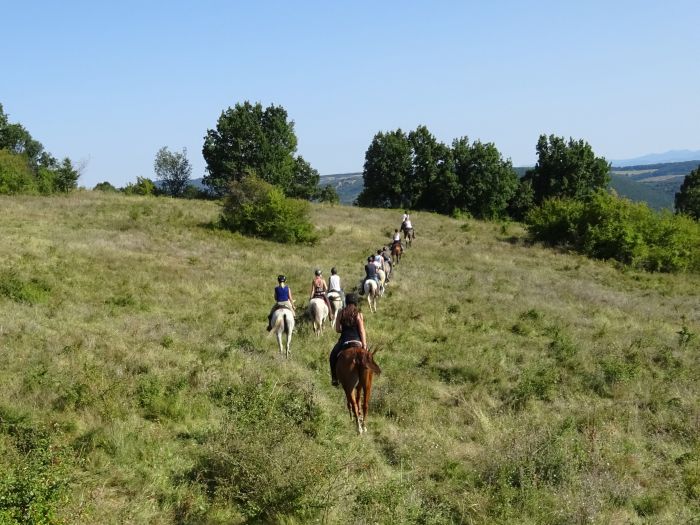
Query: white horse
[336, 304]
[283, 322]
[371, 291]
[318, 310]
[382, 280]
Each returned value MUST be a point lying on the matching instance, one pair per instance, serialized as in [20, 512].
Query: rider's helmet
[370, 258]
[384, 248]
[281, 279]
[333, 271]
[351, 298]
[317, 272]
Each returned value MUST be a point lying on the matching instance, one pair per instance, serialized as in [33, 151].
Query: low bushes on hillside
[607, 227]
[257, 208]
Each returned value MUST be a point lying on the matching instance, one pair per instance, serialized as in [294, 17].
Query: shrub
[607, 227]
[15, 174]
[143, 186]
[104, 186]
[257, 208]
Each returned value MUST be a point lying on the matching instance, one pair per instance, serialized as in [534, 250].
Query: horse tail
[282, 319]
[286, 324]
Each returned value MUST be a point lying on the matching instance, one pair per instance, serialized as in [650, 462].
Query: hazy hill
[659, 158]
[520, 384]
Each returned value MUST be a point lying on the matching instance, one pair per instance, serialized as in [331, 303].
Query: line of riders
[349, 322]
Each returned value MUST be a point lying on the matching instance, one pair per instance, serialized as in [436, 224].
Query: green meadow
[520, 384]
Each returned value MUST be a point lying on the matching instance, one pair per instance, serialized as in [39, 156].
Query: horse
[381, 274]
[318, 310]
[396, 251]
[355, 369]
[408, 235]
[283, 321]
[371, 289]
[336, 303]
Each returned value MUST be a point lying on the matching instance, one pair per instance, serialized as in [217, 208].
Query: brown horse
[355, 369]
[396, 251]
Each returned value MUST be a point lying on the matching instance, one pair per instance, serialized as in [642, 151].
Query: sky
[110, 83]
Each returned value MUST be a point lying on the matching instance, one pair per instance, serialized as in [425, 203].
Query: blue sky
[109, 83]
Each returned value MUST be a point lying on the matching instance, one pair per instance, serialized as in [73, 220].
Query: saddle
[281, 307]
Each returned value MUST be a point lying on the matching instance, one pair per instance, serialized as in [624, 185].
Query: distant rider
[319, 289]
[283, 299]
[334, 285]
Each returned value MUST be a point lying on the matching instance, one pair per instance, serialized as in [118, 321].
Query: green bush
[16, 175]
[257, 208]
[607, 227]
[33, 471]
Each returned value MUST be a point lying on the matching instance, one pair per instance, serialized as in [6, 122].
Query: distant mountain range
[656, 184]
[679, 155]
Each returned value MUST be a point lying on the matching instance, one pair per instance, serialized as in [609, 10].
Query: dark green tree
[304, 184]
[687, 200]
[49, 175]
[250, 140]
[105, 186]
[328, 194]
[173, 170]
[566, 169]
[487, 182]
[388, 167]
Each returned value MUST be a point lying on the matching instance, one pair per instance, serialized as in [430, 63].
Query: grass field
[520, 384]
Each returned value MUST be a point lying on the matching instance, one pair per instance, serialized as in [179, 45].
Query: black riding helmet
[351, 298]
[281, 279]
[333, 271]
[318, 272]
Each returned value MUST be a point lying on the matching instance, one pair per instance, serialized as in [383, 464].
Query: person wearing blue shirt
[283, 298]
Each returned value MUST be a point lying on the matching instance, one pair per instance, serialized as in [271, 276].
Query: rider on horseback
[334, 285]
[396, 239]
[319, 289]
[370, 272]
[351, 327]
[283, 298]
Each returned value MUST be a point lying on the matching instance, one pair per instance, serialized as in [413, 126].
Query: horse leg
[279, 341]
[367, 391]
[289, 341]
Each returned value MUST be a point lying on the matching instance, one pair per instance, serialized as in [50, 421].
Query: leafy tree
[257, 208]
[328, 194]
[486, 181]
[173, 170]
[688, 198]
[143, 186]
[16, 175]
[304, 184]
[522, 201]
[566, 169]
[49, 175]
[250, 140]
[388, 167]
[105, 186]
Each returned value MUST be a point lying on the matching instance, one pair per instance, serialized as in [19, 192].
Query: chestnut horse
[396, 251]
[355, 369]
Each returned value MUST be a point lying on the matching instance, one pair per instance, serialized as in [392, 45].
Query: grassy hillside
[520, 384]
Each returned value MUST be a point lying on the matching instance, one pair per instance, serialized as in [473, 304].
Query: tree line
[26, 167]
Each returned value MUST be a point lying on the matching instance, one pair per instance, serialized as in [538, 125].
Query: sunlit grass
[520, 384]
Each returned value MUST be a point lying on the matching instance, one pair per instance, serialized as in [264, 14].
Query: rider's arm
[311, 295]
[361, 328]
[291, 300]
[338, 327]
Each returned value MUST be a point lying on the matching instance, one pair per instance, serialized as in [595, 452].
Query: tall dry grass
[520, 384]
